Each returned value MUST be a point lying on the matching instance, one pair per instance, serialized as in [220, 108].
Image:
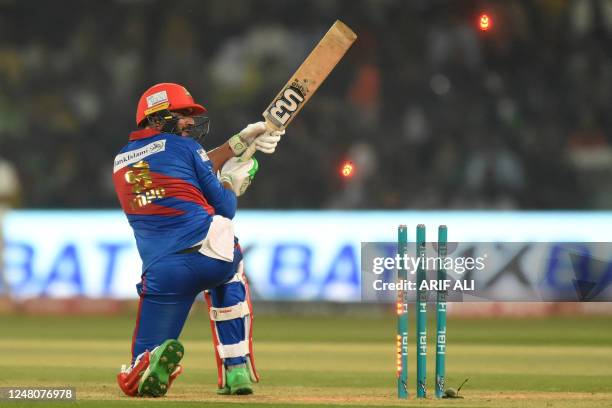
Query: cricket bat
[307, 79]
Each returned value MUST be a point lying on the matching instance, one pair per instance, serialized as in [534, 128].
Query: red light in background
[347, 169]
[484, 22]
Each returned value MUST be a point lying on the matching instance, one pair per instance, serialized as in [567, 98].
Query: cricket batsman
[180, 201]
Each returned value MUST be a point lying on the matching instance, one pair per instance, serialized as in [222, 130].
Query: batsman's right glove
[265, 140]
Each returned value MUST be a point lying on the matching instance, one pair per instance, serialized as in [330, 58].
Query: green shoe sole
[163, 361]
[223, 391]
[242, 389]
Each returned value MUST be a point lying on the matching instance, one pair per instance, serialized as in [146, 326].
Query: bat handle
[250, 151]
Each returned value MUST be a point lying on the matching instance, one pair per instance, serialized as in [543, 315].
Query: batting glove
[241, 141]
[267, 142]
[238, 174]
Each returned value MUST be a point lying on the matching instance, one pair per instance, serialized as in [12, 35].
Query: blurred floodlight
[484, 22]
[347, 169]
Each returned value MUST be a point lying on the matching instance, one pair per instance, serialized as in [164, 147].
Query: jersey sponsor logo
[203, 155]
[133, 156]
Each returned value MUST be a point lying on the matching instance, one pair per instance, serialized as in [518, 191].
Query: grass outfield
[322, 361]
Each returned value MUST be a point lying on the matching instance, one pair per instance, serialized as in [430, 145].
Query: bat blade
[309, 76]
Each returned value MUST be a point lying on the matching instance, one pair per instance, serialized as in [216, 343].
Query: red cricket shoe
[129, 379]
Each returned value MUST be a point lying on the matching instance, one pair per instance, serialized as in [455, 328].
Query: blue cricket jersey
[168, 191]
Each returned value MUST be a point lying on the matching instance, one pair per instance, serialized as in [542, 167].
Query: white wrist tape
[237, 145]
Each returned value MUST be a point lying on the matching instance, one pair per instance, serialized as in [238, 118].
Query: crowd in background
[432, 111]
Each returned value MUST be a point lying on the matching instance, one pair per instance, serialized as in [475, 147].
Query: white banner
[292, 255]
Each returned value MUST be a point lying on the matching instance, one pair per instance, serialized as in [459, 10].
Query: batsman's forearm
[220, 155]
